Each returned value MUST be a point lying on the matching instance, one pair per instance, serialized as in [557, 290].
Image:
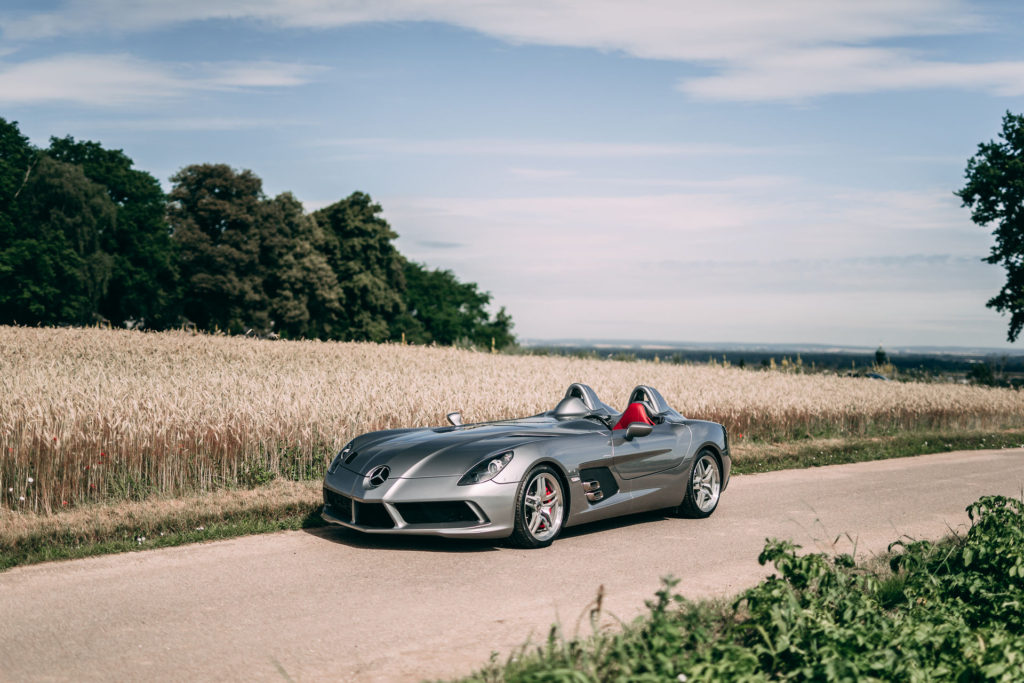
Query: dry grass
[27, 537]
[102, 520]
[92, 415]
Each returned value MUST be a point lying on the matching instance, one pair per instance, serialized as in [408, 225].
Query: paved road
[331, 605]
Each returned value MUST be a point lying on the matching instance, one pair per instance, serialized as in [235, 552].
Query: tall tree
[214, 214]
[84, 235]
[142, 278]
[498, 329]
[52, 266]
[995, 193]
[441, 309]
[17, 158]
[301, 288]
[358, 246]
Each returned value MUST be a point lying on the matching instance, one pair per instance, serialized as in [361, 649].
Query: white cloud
[192, 123]
[540, 148]
[88, 79]
[107, 80]
[735, 183]
[808, 73]
[745, 219]
[542, 173]
[659, 29]
[756, 50]
[713, 261]
[262, 74]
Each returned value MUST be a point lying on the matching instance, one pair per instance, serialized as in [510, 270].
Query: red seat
[634, 413]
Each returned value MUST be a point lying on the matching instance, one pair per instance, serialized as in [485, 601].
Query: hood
[448, 451]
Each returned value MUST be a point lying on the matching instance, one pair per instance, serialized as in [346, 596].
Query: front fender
[565, 453]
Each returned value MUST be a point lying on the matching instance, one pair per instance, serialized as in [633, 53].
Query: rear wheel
[540, 509]
[703, 486]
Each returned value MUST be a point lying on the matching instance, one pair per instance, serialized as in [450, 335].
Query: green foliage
[52, 266]
[901, 444]
[142, 276]
[358, 246]
[178, 526]
[41, 272]
[82, 235]
[121, 484]
[982, 373]
[214, 214]
[85, 237]
[253, 473]
[950, 611]
[441, 309]
[302, 290]
[17, 158]
[994, 191]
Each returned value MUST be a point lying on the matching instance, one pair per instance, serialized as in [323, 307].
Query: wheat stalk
[94, 414]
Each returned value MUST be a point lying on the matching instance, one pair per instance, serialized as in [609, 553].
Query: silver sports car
[529, 478]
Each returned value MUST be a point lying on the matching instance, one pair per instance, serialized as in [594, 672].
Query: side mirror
[636, 429]
[455, 418]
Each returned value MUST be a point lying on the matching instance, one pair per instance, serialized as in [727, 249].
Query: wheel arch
[521, 536]
[563, 478]
[713, 447]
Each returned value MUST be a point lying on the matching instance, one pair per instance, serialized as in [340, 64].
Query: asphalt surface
[331, 604]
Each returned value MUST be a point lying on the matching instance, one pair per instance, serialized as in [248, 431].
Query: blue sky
[680, 171]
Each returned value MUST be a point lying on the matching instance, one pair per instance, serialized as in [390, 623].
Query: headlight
[344, 453]
[485, 470]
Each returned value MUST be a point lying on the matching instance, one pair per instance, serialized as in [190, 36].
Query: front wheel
[703, 486]
[540, 507]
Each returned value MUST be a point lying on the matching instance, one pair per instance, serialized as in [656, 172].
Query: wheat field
[90, 414]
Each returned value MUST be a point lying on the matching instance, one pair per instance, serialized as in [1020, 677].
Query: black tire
[539, 520]
[703, 486]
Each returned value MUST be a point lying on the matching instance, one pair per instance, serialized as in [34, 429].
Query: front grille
[436, 513]
[353, 511]
[373, 515]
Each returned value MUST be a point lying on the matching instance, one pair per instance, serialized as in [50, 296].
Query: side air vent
[598, 484]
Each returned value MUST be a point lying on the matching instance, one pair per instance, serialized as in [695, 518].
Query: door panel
[663, 449]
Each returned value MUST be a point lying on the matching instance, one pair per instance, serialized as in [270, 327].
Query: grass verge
[27, 538]
[753, 457]
[946, 611]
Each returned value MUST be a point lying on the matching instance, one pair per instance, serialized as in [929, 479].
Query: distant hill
[769, 348]
[935, 359]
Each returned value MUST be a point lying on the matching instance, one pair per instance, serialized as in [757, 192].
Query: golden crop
[91, 414]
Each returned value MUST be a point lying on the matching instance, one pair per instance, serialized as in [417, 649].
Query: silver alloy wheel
[706, 483]
[543, 506]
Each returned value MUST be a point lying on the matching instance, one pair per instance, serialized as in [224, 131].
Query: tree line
[85, 237]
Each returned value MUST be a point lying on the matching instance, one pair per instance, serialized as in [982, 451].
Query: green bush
[948, 611]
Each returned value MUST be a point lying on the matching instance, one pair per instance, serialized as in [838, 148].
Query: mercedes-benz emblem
[377, 476]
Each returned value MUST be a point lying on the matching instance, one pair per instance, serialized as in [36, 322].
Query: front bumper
[430, 506]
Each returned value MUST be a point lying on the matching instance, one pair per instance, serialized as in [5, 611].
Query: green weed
[948, 611]
[765, 458]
